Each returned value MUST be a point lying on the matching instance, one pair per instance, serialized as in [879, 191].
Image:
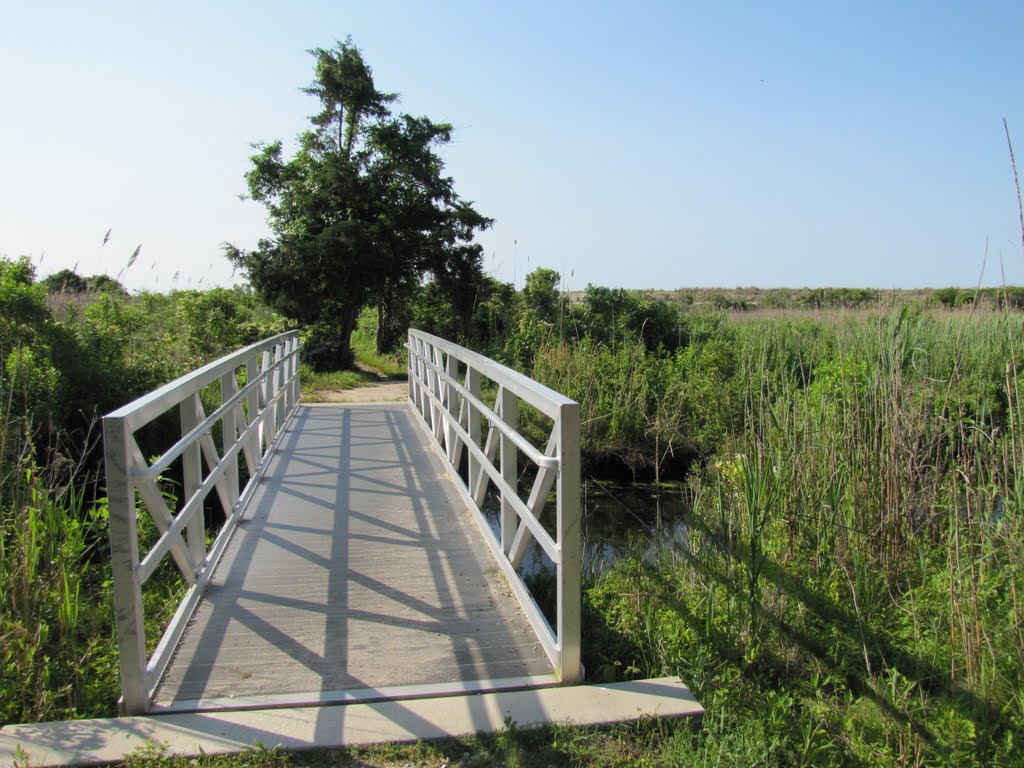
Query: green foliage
[22, 304]
[849, 588]
[58, 657]
[848, 591]
[360, 214]
[847, 298]
[64, 281]
[641, 405]
[390, 365]
[540, 294]
[97, 284]
[154, 755]
[722, 303]
[221, 320]
[490, 326]
[63, 365]
[67, 281]
[948, 297]
[1008, 296]
[33, 384]
[539, 308]
[314, 383]
[613, 316]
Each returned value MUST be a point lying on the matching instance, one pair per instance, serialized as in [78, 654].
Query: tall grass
[56, 618]
[858, 519]
[66, 366]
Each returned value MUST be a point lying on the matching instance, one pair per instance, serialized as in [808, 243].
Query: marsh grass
[313, 381]
[648, 742]
[56, 618]
[57, 628]
[858, 524]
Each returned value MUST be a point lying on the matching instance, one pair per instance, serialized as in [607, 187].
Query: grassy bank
[68, 358]
[850, 591]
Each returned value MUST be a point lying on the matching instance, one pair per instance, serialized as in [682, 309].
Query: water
[618, 521]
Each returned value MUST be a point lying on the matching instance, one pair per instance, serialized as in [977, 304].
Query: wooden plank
[356, 566]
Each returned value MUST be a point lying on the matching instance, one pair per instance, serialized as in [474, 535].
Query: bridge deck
[357, 567]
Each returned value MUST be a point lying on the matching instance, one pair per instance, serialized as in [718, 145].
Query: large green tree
[361, 213]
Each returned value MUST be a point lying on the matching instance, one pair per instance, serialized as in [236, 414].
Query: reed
[857, 516]
[56, 621]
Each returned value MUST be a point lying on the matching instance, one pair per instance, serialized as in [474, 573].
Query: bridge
[355, 560]
[329, 576]
[366, 555]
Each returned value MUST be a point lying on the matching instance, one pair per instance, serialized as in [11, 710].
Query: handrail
[544, 399]
[160, 464]
[492, 418]
[252, 416]
[445, 383]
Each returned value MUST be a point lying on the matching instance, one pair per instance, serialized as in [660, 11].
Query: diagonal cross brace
[213, 462]
[153, 500]
[480, 483]
[542, 483]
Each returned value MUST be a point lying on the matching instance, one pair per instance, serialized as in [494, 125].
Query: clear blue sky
[648, 145]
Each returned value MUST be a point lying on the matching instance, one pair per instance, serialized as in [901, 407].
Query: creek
[636, 520]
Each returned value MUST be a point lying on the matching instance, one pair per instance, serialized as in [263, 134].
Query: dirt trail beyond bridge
[384, 390]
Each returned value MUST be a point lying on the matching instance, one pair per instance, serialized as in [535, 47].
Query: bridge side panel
[440, 399]
[128, 474]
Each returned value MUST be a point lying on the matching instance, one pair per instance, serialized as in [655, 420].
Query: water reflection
[634, 521]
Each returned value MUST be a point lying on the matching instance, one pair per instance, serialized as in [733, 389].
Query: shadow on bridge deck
[356, 574]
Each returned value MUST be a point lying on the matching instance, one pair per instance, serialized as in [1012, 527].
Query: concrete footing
[89, 742]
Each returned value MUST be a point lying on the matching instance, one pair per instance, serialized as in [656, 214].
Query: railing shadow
[354, 568]
[825, 610]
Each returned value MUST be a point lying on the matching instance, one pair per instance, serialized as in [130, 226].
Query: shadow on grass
[826, 613]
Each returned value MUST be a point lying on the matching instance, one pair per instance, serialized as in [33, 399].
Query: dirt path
[385, 390]
[388, 391]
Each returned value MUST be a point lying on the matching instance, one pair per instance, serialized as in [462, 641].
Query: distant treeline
[511, 325]
[750, 299]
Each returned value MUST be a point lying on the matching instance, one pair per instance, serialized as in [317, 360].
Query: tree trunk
[336, 354]
[349, 313]
[382, 331]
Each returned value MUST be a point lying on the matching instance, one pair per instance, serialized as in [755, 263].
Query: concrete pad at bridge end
[87, 742]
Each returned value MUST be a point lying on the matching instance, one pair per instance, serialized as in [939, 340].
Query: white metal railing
[445, 387]
[259, 390]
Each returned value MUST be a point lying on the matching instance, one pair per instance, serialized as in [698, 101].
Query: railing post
[267, 390]
[428, 385]
[424, 380]
[509, 405]
[124, 560]
[410, 366]
[192, 476]
[436, 417]
[252, 372]
[296, 368]
[415, 372]
[281, 377]
[569, 535]
[473, 464]
[451, 372]
[229, 428]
